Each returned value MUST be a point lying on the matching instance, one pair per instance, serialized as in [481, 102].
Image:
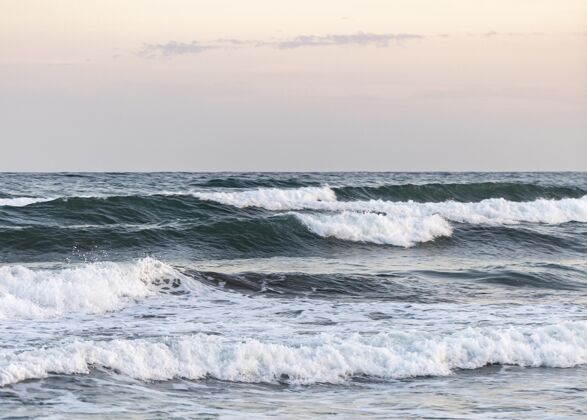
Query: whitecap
[376, 228]
[321, 359]
[89, 288]
[22, 201]
[271, 198]
[492, 211]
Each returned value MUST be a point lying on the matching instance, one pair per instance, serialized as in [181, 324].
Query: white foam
[321, 359]
[377, 228]
[489, 211]
[22, 201]
[271, 198]
[26, 201]
[493, 211]
[90, 288]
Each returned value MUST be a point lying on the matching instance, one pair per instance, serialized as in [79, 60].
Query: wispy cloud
[173, 48]
[359, 38]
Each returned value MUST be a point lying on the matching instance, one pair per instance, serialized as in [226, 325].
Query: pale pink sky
[293, 85]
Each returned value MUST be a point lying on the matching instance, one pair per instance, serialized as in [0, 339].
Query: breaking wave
[489, 211]
[271, 198]
[234, 220]
[90, 288]
[376, 228]
[321, 359]
[398, 223]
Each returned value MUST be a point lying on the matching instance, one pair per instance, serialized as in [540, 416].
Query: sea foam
[271, 198]
[22, 201]
[89, 288]
[321, 359]
[376, 228]
[493, 211]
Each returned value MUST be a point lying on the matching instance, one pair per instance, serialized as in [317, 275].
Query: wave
[272, 187]
[228, 223]
[493, 211]
[89, 288]
[271, 198]
[377, 228]
[255, 235]
[320, 359]
[463, 192]
[220, 237]
[107, 286]
[403, 285]
[145, 209]
[489, 211]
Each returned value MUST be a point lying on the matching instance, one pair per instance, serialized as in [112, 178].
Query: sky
[267, 85]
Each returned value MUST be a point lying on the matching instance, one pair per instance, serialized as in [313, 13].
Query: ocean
[293, 295]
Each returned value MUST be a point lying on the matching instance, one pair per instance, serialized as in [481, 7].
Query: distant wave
[271, 198]
[398, 223]
[489, 211]
[321, 359]
[463, 192]
[424, 192]
[246, 198]
[136, 220]
[89, 288]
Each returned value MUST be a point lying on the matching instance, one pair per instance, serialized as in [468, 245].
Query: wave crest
[90, 288]
[488, 211]
[271, 198]
[22, 201]
[376, 228]
[322, 359]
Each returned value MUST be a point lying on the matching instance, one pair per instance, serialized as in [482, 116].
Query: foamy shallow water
[192, 296]
[487, 393]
